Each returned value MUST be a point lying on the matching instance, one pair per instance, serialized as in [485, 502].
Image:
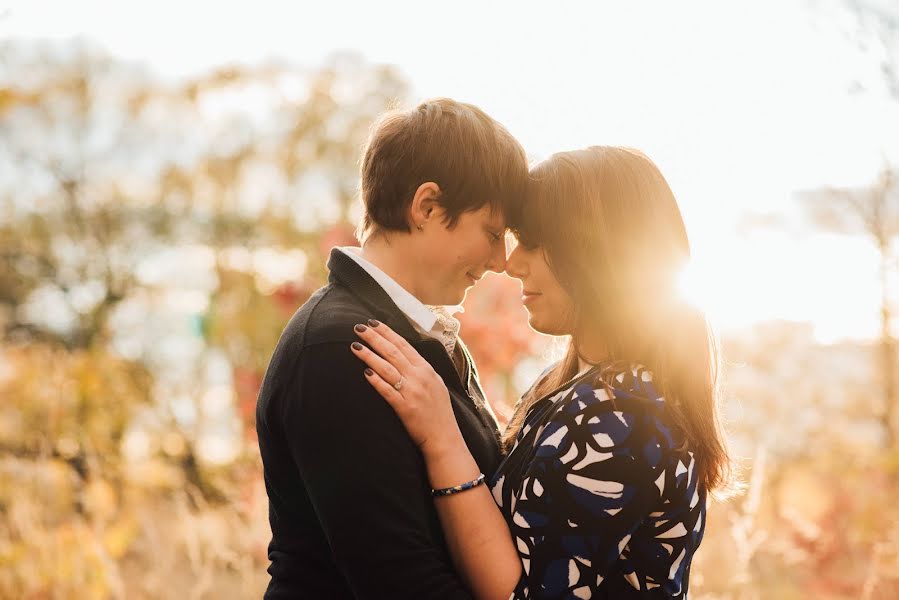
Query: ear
[425, 207]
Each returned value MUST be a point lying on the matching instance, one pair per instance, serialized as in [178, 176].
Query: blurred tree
[155, 236]
[874, 213]
[118, 189]
[876, 33]
[112, 166]
[149, 228]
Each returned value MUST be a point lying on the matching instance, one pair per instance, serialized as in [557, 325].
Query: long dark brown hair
[612, 234]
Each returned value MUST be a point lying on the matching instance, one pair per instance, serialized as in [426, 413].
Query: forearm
[476, 532]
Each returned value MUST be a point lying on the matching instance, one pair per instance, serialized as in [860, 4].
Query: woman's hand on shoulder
[411, 386]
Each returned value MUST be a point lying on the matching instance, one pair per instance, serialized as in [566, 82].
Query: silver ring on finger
[399, 384]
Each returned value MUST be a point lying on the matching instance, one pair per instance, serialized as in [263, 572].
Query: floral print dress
[600, 492]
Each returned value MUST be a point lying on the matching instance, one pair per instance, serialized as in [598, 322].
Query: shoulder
[332, 318]
[314, 347]
[328, 392]
[327, 316]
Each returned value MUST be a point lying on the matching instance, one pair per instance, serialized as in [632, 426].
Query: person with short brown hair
[472, 159]
[349, 499]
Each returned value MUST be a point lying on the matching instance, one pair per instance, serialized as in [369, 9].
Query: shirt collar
[417, 312]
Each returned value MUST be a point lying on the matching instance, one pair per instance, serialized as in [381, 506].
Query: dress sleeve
[592, 483]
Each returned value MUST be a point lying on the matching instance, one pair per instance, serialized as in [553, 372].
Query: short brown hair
[472, 158]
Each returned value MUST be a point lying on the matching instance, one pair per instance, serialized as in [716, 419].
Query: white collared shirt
[419, 314]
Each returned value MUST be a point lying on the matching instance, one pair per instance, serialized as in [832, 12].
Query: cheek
[565, 302]
[474, 251]
[545, 316]
[553, 307]
[558, 308]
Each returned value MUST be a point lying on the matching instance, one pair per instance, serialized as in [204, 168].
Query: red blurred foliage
[289, 296]
[246, 385]
[495, 325]
[341, 234]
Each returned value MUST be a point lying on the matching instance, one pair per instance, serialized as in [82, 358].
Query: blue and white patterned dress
[600, 494]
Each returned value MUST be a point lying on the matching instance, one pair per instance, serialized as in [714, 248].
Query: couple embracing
[387, 474]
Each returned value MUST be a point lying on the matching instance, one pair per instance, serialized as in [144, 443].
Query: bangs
[537, 215]
[495, 176]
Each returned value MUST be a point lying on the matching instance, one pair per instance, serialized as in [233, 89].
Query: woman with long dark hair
[612, 453]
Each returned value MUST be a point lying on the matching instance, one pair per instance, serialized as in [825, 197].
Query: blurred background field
[173, 176]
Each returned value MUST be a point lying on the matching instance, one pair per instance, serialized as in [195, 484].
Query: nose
[497, 262]
[516, 265]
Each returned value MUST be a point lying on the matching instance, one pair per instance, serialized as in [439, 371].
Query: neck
[591, 352]
[387, 253]
[582, 365]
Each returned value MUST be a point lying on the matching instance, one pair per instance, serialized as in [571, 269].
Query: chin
[541, 326]
[534, 323]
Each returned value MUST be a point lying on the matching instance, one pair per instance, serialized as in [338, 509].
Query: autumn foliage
[154, 241]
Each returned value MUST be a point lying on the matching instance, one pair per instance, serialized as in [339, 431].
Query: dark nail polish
[373, 323]
[357, 346]
[360, 328]
[369, 372]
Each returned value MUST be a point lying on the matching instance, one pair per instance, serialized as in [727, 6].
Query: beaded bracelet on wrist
[458, 488]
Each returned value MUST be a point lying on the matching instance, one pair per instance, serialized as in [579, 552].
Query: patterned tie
[448, 327]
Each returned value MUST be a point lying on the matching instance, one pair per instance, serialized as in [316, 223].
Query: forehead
[492, 217]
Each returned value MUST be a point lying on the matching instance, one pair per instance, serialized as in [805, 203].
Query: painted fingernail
[373, 323]
[369, 372]
[357, 346]
[360, 328]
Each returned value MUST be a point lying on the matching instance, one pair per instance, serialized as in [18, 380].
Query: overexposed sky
[740, 105]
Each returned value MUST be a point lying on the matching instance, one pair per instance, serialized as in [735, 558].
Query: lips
[528, 296]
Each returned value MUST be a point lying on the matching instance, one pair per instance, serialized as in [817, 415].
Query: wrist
[445, 447]
[450, 463]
